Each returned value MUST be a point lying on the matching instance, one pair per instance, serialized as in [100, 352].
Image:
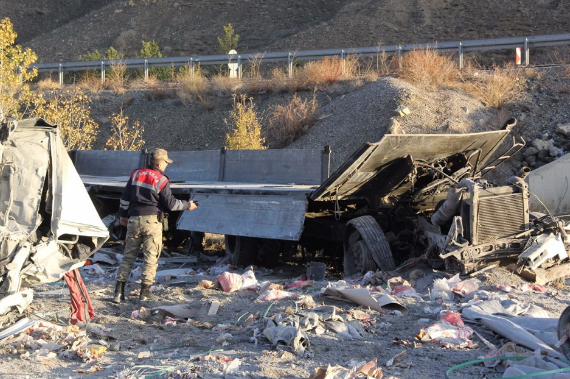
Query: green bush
[150, 49]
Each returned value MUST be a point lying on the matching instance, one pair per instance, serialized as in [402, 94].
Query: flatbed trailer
[369, 212]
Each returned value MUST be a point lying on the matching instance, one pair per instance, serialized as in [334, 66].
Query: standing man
[145, 197]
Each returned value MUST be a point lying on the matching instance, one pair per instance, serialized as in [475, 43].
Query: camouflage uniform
[143, 232]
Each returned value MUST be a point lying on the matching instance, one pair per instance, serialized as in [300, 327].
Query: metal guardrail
[459, 47]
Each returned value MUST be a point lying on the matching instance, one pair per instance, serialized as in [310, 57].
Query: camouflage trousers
[143, 233]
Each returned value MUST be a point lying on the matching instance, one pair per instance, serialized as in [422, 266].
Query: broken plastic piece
[545, 247]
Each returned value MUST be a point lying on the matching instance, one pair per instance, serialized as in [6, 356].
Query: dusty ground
[195, 345]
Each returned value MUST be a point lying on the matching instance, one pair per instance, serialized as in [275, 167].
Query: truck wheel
[366, 247]
[269, 252]
[563, 327]
[242, 250]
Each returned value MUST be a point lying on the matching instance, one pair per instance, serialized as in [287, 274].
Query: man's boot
[145, 293]
[119, 293]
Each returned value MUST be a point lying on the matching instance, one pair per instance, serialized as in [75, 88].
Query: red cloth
[79, 297]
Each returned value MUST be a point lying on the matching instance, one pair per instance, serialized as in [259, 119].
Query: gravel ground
[142, 340]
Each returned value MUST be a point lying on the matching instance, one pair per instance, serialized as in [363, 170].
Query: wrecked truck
[48, 223]
[404, 197]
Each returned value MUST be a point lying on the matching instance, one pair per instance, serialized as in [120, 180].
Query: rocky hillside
[64, 29]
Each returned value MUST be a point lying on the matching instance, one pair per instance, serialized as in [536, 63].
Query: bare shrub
[253, 70]
[117, 75]
[426, 68]
[384, 62]
[561, 56]
[287, 122]
[245, 126]
[498, 86]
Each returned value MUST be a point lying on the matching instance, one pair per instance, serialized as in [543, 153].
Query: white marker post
[233, 66]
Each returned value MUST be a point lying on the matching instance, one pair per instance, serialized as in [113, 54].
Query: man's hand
[193, 205]
[123, 221]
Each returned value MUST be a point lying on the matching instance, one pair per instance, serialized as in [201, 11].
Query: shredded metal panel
[500, 217]
[268, 216]
[370, 170]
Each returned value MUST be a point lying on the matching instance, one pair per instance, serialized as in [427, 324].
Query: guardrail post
[400, 57]
[146, 70]
[60, 74]
[239, 66]
[289, 65]
[192, 68]
[526, 53]
[460, 53]
[343, 62]
[102, 72]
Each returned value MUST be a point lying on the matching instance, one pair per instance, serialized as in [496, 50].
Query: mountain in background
[62, 30]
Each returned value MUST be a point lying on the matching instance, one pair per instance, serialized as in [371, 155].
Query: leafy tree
[246, 133]
[93, 56]
[15, 71]
[125, 136]
[71, 111]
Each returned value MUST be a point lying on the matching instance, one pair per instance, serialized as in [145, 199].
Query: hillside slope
[61, 30]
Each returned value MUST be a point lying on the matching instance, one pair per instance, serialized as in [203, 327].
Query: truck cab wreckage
[48, 223]
[404, 197]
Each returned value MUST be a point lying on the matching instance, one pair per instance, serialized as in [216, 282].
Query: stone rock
[542, 153]
[530, 151]
[530, 159]
[563, 129]
[402, 111]
[540, 144]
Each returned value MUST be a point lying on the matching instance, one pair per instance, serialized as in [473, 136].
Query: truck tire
[269, 252]
[562, 329]
[241, 250]
[366, 247]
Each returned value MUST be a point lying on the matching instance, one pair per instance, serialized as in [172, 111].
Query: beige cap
[161, 154]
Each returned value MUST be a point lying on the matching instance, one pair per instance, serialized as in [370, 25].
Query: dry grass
[223, 85]
[328, 71]
[428, 69]
[498, 86]
[192, 88]
[91, 83]
[289, 121]
[282, 83]
[48, 84]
